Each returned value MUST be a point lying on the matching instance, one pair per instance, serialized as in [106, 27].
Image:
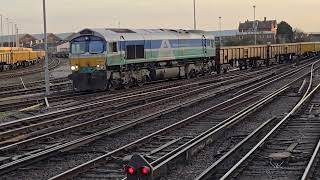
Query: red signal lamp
[130, 170]
[145, 170]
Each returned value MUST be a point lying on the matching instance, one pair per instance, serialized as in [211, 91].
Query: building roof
[40, 36]
[225, 33]
[314, 33]
[6, 37]
[62, 36]
[235, 32]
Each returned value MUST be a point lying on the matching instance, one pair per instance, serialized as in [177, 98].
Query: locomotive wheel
[126, 86]
[191, 74]
[142, 82]
[112, 86]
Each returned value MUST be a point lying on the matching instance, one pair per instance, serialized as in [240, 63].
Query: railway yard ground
[260, 123]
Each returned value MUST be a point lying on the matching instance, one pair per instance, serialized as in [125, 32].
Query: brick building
[315, 37]
[234, 37]
[35, 41]
[262, 26]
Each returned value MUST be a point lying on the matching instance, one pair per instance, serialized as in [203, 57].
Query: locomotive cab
[88, 62]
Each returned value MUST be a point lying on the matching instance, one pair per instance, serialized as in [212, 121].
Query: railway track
[289, 150]
[127, 100]
[26, 101]
[12, 129]
[111, 131]
[81, 98]
[55, 86]
[16, 87]
[54, 63]
[312, 170]
[162, 145]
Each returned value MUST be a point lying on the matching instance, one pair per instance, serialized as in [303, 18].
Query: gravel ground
[71, 159]
[62, 70]
[303, 129]
[108, 123]
[316, 174]
[230, 138]
[14, 115]
[106, 144]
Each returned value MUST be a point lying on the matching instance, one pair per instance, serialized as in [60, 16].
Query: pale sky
[74, 15]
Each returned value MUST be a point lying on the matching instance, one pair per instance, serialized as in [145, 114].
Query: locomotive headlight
[101, 67]
[75, 68]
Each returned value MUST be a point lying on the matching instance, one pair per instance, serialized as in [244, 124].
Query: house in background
[36, 41]
[314, 37]
[262, 26]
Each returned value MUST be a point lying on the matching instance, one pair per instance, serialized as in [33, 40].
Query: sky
[74, 15]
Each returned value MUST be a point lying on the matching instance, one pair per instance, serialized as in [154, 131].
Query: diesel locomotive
[103, 59]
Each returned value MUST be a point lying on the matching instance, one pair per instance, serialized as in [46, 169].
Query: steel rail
[70, 173]
[256, 147]
[74, 171]
[211, 169]
[55, 98]
[53, 64]
[126, 97]
[84, 140]
[60, 148]
[33, 90]
[122, 113]
[30, 84]
[161, 165]
[11, 133]
[307, 173]
[206, 174]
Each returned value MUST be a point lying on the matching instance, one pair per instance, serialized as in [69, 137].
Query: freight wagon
[256, 55]
[11, 58]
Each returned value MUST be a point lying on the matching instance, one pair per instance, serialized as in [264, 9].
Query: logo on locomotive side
[166, 50]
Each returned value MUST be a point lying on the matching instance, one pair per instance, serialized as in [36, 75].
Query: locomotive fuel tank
[168, 73]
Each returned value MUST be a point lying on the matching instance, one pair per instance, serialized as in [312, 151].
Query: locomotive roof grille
[87, 31]
[121, 30]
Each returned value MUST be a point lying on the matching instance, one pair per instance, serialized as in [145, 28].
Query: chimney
[265, 18]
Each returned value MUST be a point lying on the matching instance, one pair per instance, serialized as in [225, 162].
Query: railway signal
[138, 169]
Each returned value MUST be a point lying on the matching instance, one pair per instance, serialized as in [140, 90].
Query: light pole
[12, 32]
[220, 38]
[1, 26]
[194, 15]
[46, 51]
[17, 35]
[9, 38]
[255, 24]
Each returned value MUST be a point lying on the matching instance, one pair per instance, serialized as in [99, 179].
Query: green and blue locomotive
[104, 59]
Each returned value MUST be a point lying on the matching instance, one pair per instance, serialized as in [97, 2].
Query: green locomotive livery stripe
[161, 55]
